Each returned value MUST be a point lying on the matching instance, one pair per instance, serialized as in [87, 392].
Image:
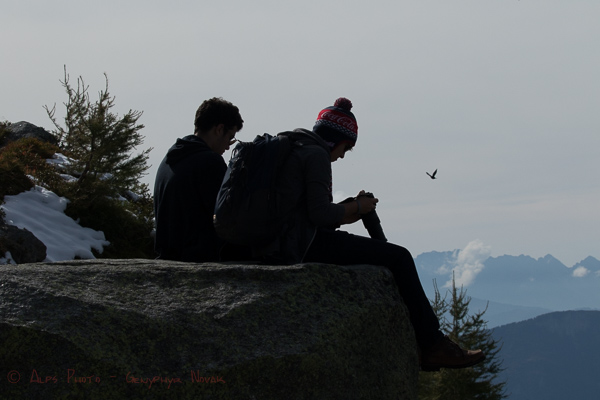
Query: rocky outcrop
[23, 129]
[19, 245]
[22, 245]
[155, 329]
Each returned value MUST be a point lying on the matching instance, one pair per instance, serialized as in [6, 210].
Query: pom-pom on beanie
[337, 124]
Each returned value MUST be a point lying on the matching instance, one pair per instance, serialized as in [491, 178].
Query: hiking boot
[447, 354]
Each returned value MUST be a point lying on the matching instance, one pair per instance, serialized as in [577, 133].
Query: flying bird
[432, 176]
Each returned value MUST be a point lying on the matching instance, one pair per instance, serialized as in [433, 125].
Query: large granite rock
[150, 329]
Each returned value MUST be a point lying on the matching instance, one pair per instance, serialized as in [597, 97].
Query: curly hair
[217, 111]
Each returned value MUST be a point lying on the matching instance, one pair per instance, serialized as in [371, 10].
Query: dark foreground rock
[23, 246]
[149, 329]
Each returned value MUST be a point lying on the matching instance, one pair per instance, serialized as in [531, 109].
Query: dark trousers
[343, 248]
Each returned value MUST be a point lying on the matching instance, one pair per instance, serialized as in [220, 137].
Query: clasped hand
[362, 204]
[367, 202]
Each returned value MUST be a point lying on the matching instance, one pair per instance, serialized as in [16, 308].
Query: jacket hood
[308, 137]
[185, 146]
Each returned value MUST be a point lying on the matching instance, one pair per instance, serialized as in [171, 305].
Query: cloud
[580, 272]
[469, 263]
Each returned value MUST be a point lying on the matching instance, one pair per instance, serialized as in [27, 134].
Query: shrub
[128, 232]
[3, 130]
[22, 158]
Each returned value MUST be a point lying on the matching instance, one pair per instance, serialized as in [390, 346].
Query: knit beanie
[337, 124]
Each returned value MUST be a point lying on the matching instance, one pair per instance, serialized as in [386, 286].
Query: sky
[499, 96]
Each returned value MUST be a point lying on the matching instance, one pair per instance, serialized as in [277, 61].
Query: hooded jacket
[185, 190]
[305, 186]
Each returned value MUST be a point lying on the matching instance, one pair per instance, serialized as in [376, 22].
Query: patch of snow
[41, 212]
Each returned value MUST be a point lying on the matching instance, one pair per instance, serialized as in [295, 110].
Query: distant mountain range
[554, 356]
[545, 315]
[515, 288]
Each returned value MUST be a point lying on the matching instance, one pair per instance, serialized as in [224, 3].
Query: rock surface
[24, 129]
[157, 329]
[23, 246]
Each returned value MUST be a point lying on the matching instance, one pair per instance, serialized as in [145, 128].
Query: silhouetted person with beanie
[305, 182]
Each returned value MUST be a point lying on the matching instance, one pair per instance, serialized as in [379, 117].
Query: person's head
[337, 126]
[216, 122]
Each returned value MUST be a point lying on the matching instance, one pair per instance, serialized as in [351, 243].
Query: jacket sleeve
[318, 179]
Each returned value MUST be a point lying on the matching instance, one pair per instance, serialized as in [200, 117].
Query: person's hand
[366, 203]
[355, 208]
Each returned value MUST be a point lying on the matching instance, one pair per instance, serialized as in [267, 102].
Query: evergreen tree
[100, 142]
[107, 195]
[469, 331]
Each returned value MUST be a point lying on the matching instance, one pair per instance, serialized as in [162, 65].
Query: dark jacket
[304, 184]
[187, 182]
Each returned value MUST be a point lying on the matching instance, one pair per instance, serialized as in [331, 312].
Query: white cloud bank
[469, 263]
[580, 272]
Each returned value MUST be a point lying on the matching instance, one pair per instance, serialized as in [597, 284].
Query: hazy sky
[501, 96]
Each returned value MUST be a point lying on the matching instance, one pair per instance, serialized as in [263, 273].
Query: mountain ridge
[516, 287]
[552, 356]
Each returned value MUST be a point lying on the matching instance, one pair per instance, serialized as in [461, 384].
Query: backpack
[247, 206]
